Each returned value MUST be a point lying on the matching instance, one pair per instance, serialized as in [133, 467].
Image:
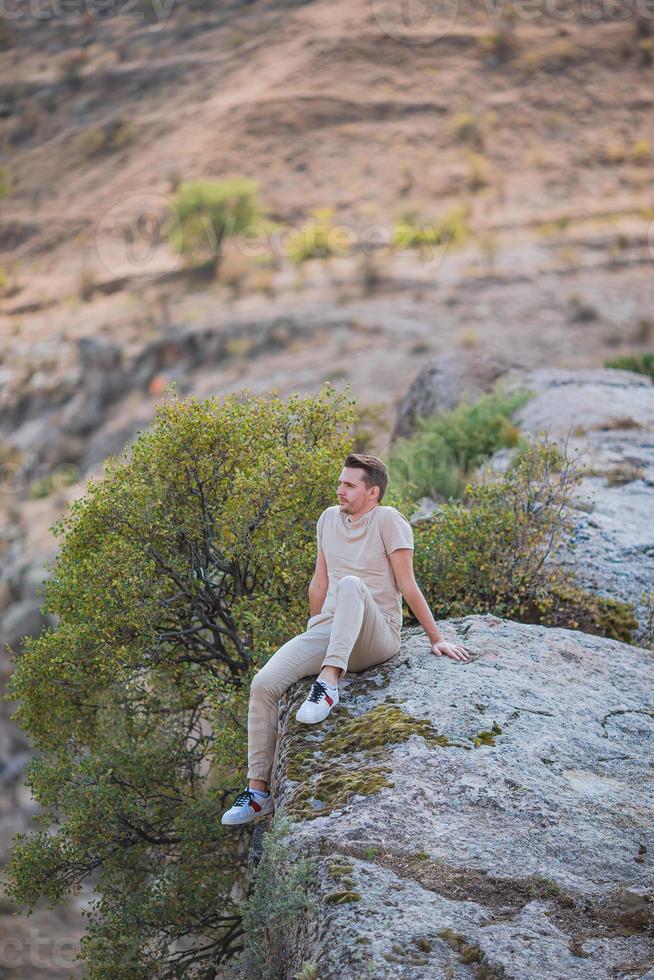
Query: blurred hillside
[526, 130]
[535, 133]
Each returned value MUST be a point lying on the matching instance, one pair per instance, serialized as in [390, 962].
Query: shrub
[70, 69]
[178, 575]
[501, 44]
[5, 182]
[439, 459]
[640, 363]
[111, 136]
[494, 551]
[7, 36]
[277, 906]
[477, 171]
[646, 52]
[319, 238]
[207, 213]
[466, 127]
[452, 229]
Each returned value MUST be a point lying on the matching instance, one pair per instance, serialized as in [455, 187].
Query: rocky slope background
[536, 133]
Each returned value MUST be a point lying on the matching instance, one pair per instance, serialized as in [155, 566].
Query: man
[364, 566]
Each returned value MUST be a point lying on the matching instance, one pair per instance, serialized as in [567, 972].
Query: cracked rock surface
[506, 828]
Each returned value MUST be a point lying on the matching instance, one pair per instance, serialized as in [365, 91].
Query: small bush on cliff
[276, 906]
[439, 459]
[640, 363]
[489, 552]
[178, 575]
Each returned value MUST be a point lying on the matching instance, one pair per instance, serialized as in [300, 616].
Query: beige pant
[355, 636]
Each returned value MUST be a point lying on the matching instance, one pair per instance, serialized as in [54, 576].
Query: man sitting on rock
[364, 566]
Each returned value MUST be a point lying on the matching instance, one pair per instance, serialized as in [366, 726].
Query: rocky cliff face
[488, 819]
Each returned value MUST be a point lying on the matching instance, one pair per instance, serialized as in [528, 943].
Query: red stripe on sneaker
[329, 700]
[255, 806]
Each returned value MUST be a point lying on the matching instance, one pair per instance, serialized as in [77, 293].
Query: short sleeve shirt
[362, 548]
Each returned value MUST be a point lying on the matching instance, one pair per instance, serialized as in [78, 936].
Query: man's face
[353, 495]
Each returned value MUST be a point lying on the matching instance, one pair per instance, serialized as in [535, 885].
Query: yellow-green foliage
[439, 459]
[640, 363]
[487, 738]
[451, 229]
[488, 552]
[177, 576]
[5, 182]
[207, 213]
[319, 238]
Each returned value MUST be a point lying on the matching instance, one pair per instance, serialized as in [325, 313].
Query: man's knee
[263, 686]
[350, 582]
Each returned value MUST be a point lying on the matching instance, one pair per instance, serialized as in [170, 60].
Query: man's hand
[454, 650]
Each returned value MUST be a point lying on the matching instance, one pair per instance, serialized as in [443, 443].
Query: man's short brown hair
[375, 472]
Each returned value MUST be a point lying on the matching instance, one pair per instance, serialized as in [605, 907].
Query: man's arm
[402, 564]
[319, 584]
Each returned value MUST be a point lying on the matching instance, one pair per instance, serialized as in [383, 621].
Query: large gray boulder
[487, 819]
[443, 382]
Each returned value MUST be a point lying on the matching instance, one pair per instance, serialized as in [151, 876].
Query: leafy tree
[178, 575]
[206, 213]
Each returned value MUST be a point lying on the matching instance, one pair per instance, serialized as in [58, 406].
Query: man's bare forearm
[420, 609]
[317, 594]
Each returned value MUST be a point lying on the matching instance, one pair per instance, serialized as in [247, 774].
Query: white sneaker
[318, 704]
[246, 808]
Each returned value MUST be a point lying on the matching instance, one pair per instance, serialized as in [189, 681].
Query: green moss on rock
[342, 897]
[344, 757]
[487, 738]
[334, 788]
[335, 870]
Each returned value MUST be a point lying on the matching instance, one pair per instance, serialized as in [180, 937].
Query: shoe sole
[317, 721]
[255, 819]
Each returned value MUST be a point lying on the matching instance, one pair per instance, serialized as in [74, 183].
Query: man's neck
[361, 513]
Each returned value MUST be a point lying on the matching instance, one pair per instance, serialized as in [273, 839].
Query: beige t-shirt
[362, 548]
